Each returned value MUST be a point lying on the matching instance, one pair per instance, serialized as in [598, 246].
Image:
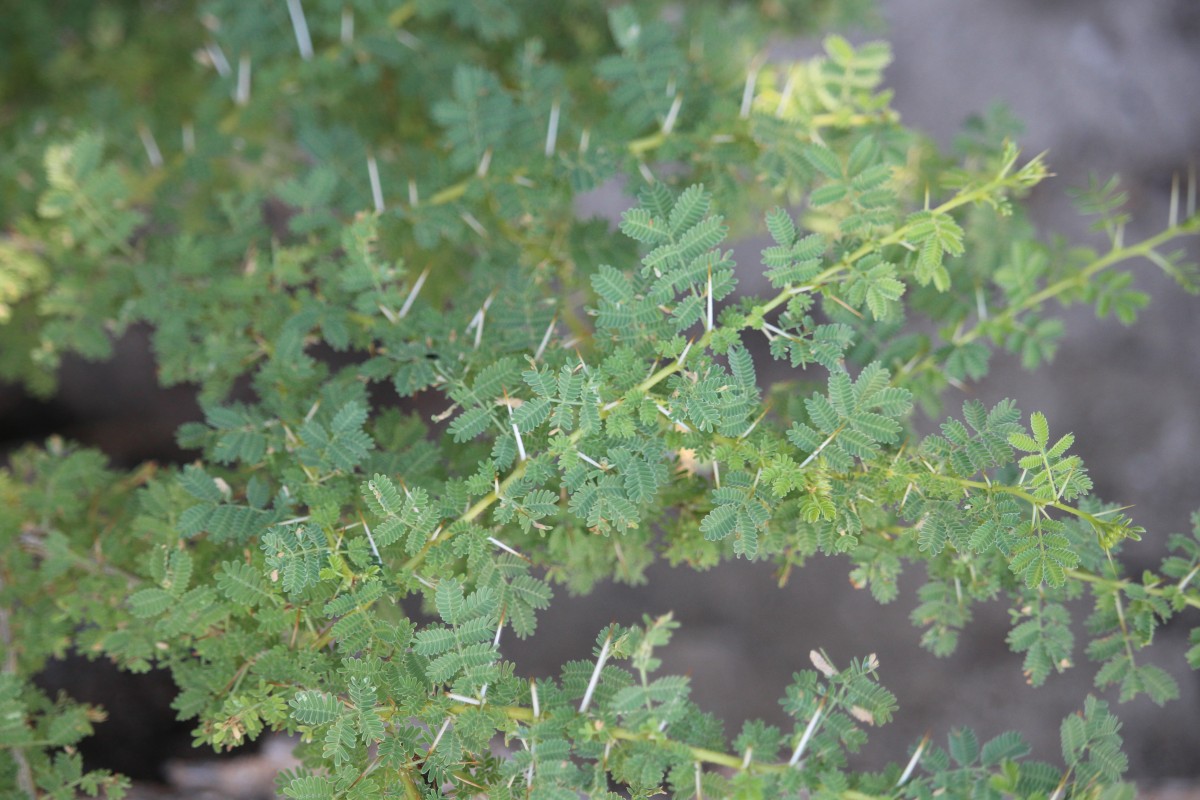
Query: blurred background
[1107, 86]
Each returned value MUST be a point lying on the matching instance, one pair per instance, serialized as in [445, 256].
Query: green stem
[31, 541]
[1079, 279]
[1118, 585]
[1144, 249]
[970, 195]
[411, 792]
[1120, 608]
[901, 234]
[701, 754]
[1115, 584]
[1015, 491]
[480, 505]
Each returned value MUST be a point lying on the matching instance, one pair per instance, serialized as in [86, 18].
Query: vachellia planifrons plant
[319, 209]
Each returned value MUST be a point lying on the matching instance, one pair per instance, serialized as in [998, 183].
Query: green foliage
[368, 202]
[853, 420]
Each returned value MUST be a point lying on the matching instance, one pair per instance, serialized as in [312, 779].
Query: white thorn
[552, 129]
[520, 442]
[669, 123]
[584, 139]
[912, 762]
[413, 292]
[699, 790]
[387, 312]
[300, 27]
[347, 33]
[241, 94]
[148, 142]
[476, 322]
[685, 352]
[610, 406]
[1191, 190]
[408, 40]
[312, 411]
[1173, 214]
[413, 198]
[1188, 578]
[667, 414]
[786, 94]
[495, 644]
[717, 474]
[808, 732]
[474, 224]
[371, 539]
[748, 92]
[587, 696]
[817, 452]
[710, 300]
[423, 582]
[589, 460]
[435, 533]
[533, 692]
[376, 187]
[189, 138]
[462, 699]
[545, 339]
[750, 430]
[217, 56]
[485, 164]
[746, 757]
[441, 731]
[505, 547]
[646, 173]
